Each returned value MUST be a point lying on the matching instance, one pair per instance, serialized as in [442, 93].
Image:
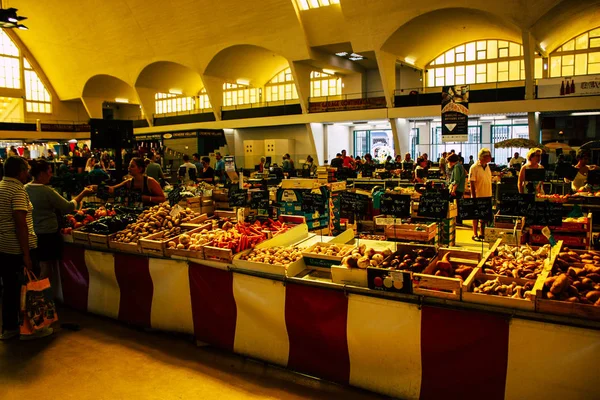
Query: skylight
[308, 4]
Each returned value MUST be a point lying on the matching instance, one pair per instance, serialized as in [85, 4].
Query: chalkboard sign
[434, 204]
[174, 195]
[396, 205]
[535, 175]
[544, 213]
[478, 208]
[238, 198]
[313, 202]
[515, 204]
[354, 203]
[258, 197]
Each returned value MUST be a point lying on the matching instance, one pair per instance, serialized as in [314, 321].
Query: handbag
[38, 310]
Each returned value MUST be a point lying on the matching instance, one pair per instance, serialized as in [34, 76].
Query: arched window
[281, 87]
[37, 97]
[235, 94]
[167, 103]
[482, 61]
[10, 65]
[203, 100]
[323, 84]
[578, 56]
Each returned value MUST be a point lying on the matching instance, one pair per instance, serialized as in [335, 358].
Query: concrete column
[301, 73]
[533, 119]
[316, 133]
[401, 129]
[148, 103]
[387, 69]
[529, 46]
[214, 89]
[93, 106]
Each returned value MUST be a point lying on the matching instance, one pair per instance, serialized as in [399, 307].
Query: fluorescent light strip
[329, 71]
[492, 117]
[575, 114]
[175, 91]
[121, 100]
[342, 54]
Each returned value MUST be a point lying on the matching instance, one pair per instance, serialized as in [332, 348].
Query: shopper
[154, 170]
[261, 166]
[516, 162]
[207, 173]
[533, 162]
[89, 165]
[348, 161]
[442, 163]
[310, 165]
[421, 165]
[480, 178]
[50, 155]
[149, 188]
[196, 161]
[456, 179]
[98, 175]
[407, 163]
[583, 157]
[426, 157]
[188, 166]
[338, 161]
[288, 165]
[471, 162]
[13, 152]
[17, 243]
[86, 152]
[219, 166]
[369, 159]
[46, 203]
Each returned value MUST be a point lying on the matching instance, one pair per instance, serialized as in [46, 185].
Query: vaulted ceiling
[138, 41]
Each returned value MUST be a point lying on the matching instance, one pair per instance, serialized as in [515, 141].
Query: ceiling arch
[566, 20]
[244, 61]
[423, 38]
[163, 76]
[108, 88]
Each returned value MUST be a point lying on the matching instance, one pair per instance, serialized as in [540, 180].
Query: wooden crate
[407, 232]
[290, 270]
[67, 238]
[197, 254]
[80, 237]
[98, 241]
[218, 254]
[123, 247]
[313, 259]
[500, 301]
[548, 263]
[155, 244]
[349, 276]
[558, 307]
[445, 287]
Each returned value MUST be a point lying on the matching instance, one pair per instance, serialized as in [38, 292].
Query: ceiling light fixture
[328, 71]
[575, 114]
[10, 19]
[355, 58]
[175, 91]
[492, 117]
[342, 54]
[355, 55]
[245, 82]
[409, 60]
[121, 100]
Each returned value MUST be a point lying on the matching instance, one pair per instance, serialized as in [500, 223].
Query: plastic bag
[38, 310]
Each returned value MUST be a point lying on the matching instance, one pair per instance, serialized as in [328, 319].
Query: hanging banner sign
[455, 113]
[588, 85]
[352, 104]
[179, 135]
[155, 136]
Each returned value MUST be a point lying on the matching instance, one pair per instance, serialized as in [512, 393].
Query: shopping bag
[37, 305]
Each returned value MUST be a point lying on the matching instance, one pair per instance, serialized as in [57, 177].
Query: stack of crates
[447, 232]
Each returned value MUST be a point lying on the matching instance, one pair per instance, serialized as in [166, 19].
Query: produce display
[445, 268]
[415, 260]
[110, 225]
[333, 250]
[238, 237]
[283, 256]
[154, 220]
[497, 288]
[194, 241]
[83, 217]
[576, 278]
[517, 262]
[363, 257]
[369, 236]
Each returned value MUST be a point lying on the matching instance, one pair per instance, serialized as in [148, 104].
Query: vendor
[150, 189]
[261, 166]
[533, 162]
[516, 161]
[310, 165]
[583, 157]
[368, 159]
[408, 162]
[206, 173]
[421, 165]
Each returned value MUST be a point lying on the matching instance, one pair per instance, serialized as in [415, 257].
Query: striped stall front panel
[464, 354]
[135, 283]
[316, 322]
[260, 329]
[74, 278]
[550, 361]
[171, 302]
[213, 305]
[104, 294]
[384, 342]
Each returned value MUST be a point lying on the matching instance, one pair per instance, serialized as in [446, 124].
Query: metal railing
[262, 104]
[348, 96]
[184, 112]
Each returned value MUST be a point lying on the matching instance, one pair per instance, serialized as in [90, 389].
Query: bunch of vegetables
[415, 260]
[517, 262]
[363, 257]
[110, 225]
[445, 268]
[238, 237]
[154, 220]
[195, 241]
[283, 256]
[576, 278]
[276, 227]
[83, 217]
[333, 250]
[497, 288]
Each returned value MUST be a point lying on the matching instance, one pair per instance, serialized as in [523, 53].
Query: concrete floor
[110, 360]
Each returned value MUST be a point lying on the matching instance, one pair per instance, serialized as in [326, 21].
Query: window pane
[460, 70]
[439, 72]
[567, 71]
[492, 49]
[502, 53]
[492, 72]
[515, 49]
[449, 56]
[430, 77]
[470, 53]
[440, 60]
[460, 57]
[481, 68]
[450, 76]
[570, 45]
[481, 45]
[539, 68]
[581, 64]
[581, 42]
[503, 66]
[593, 68]
[460, 49]
[595, 33]
[470, 73]
[460, 80]
[481, 78]
[555, 65]
[594, 57]
[481, 55]
[439, 81]
[514, 70]
[568, 60]
[595, 42]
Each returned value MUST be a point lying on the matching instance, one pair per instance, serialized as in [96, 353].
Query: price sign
[258, 197]
[396, 205]
[515, 204]
[354, 203]
[313, 202]
[174, 195]
[544, 213]
[434, 204]
[238, 198]
[478, 208]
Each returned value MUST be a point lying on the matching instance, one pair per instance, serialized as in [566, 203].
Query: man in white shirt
[480, 176]
[516, 161]
[188, 166]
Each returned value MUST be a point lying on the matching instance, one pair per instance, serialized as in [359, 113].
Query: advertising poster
[455, 113]
[569, 87]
